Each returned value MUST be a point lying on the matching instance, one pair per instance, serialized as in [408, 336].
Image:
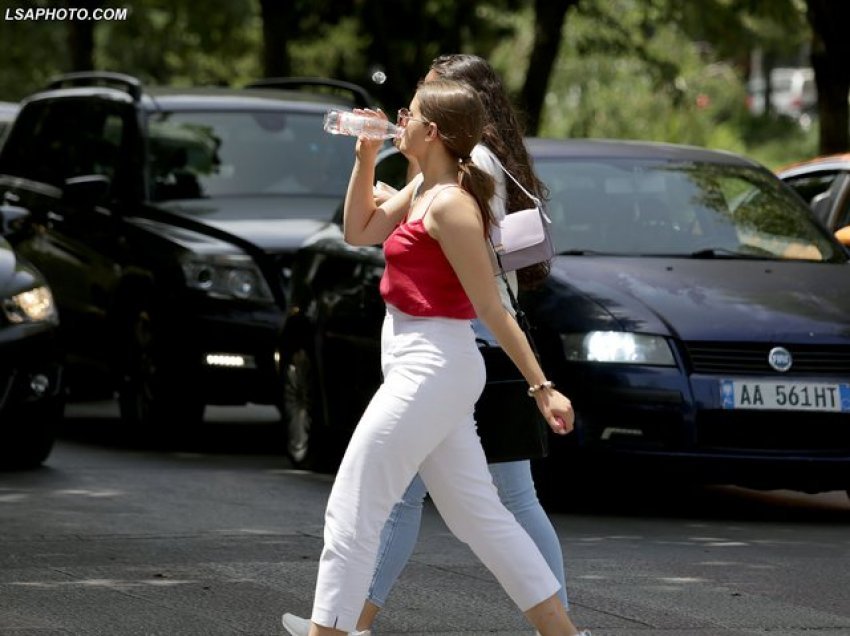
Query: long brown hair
[503, 134]
[458, 113]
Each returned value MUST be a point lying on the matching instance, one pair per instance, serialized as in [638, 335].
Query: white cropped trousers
[421, 420]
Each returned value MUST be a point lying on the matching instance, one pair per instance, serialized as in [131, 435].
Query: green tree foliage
[659, 70]
[548, 19]
[163, 41]
[734, 28]
[32, 53]
[180, 42]
[625, 73]
[353, 40]
[648, 69]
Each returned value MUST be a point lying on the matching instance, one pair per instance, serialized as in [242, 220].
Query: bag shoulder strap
[518, 184]
[537, 202]
[519, 314]
[522, 319]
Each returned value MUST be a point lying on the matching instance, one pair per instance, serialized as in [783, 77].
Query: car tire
[26, 440]
[29, 450]
[306, 435]
[36, 446]
[153, 391]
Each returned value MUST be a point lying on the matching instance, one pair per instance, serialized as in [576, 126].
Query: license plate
[770, 395]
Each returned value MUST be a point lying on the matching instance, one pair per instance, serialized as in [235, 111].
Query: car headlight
[35, 305]
[621, 347]
[226, 276]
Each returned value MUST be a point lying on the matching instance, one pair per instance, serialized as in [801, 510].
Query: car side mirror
[843, 236]
[86, 191]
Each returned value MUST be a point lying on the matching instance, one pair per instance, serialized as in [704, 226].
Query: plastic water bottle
[342, 122]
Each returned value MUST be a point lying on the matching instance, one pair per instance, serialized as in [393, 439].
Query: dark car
[696, 314]
[31, 394]
[165, 221]
[824, 183]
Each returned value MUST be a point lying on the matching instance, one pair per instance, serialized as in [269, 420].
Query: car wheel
[151, 393]
[30, 448]
[306, 436]
[26, 439]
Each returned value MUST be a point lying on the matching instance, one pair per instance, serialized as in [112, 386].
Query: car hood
[273, 224]
[695, 299]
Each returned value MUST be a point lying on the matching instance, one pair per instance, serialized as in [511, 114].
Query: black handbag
[510, 425]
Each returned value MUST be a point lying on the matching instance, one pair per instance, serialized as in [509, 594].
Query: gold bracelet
[548, 384]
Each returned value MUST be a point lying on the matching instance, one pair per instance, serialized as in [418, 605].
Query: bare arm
[364, 222]
[455, 222]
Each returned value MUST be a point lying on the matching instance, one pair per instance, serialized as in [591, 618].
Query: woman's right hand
[556, 409]
[367, 149]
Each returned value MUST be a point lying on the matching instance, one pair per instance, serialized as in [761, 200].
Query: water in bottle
[341, 122]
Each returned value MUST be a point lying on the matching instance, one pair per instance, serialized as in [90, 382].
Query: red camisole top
[418, 278]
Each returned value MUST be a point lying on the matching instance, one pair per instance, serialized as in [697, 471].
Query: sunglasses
[405, 116]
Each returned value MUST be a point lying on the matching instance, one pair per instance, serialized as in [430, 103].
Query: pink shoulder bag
[522, 238]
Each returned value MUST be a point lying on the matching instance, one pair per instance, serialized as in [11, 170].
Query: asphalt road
[125, 535]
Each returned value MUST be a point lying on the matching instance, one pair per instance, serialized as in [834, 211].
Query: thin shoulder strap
[518, 184]
[519, 314]
[436, 194]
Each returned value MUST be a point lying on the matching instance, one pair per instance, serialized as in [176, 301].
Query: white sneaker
[295, 625]
[298, 626]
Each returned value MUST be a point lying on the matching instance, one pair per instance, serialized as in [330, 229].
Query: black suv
[165, 222]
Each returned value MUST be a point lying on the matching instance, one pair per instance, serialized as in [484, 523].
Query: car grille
[821, 433]
[732, 358]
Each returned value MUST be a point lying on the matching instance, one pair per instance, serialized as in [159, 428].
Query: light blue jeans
[515, 485]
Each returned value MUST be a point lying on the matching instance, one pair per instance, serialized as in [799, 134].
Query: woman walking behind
[438, 277]
[502, 142]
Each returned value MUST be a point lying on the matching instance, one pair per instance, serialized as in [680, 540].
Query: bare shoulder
[455, 207]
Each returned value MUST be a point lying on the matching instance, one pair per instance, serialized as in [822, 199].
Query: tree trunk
[767, 66]
[278, 25]
[81, 37]
[549, 18]
[830, 52]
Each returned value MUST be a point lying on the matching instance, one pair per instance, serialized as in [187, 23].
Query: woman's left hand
[556, 409]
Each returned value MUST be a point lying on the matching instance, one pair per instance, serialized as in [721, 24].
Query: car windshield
[697, 210]
[193, 155]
